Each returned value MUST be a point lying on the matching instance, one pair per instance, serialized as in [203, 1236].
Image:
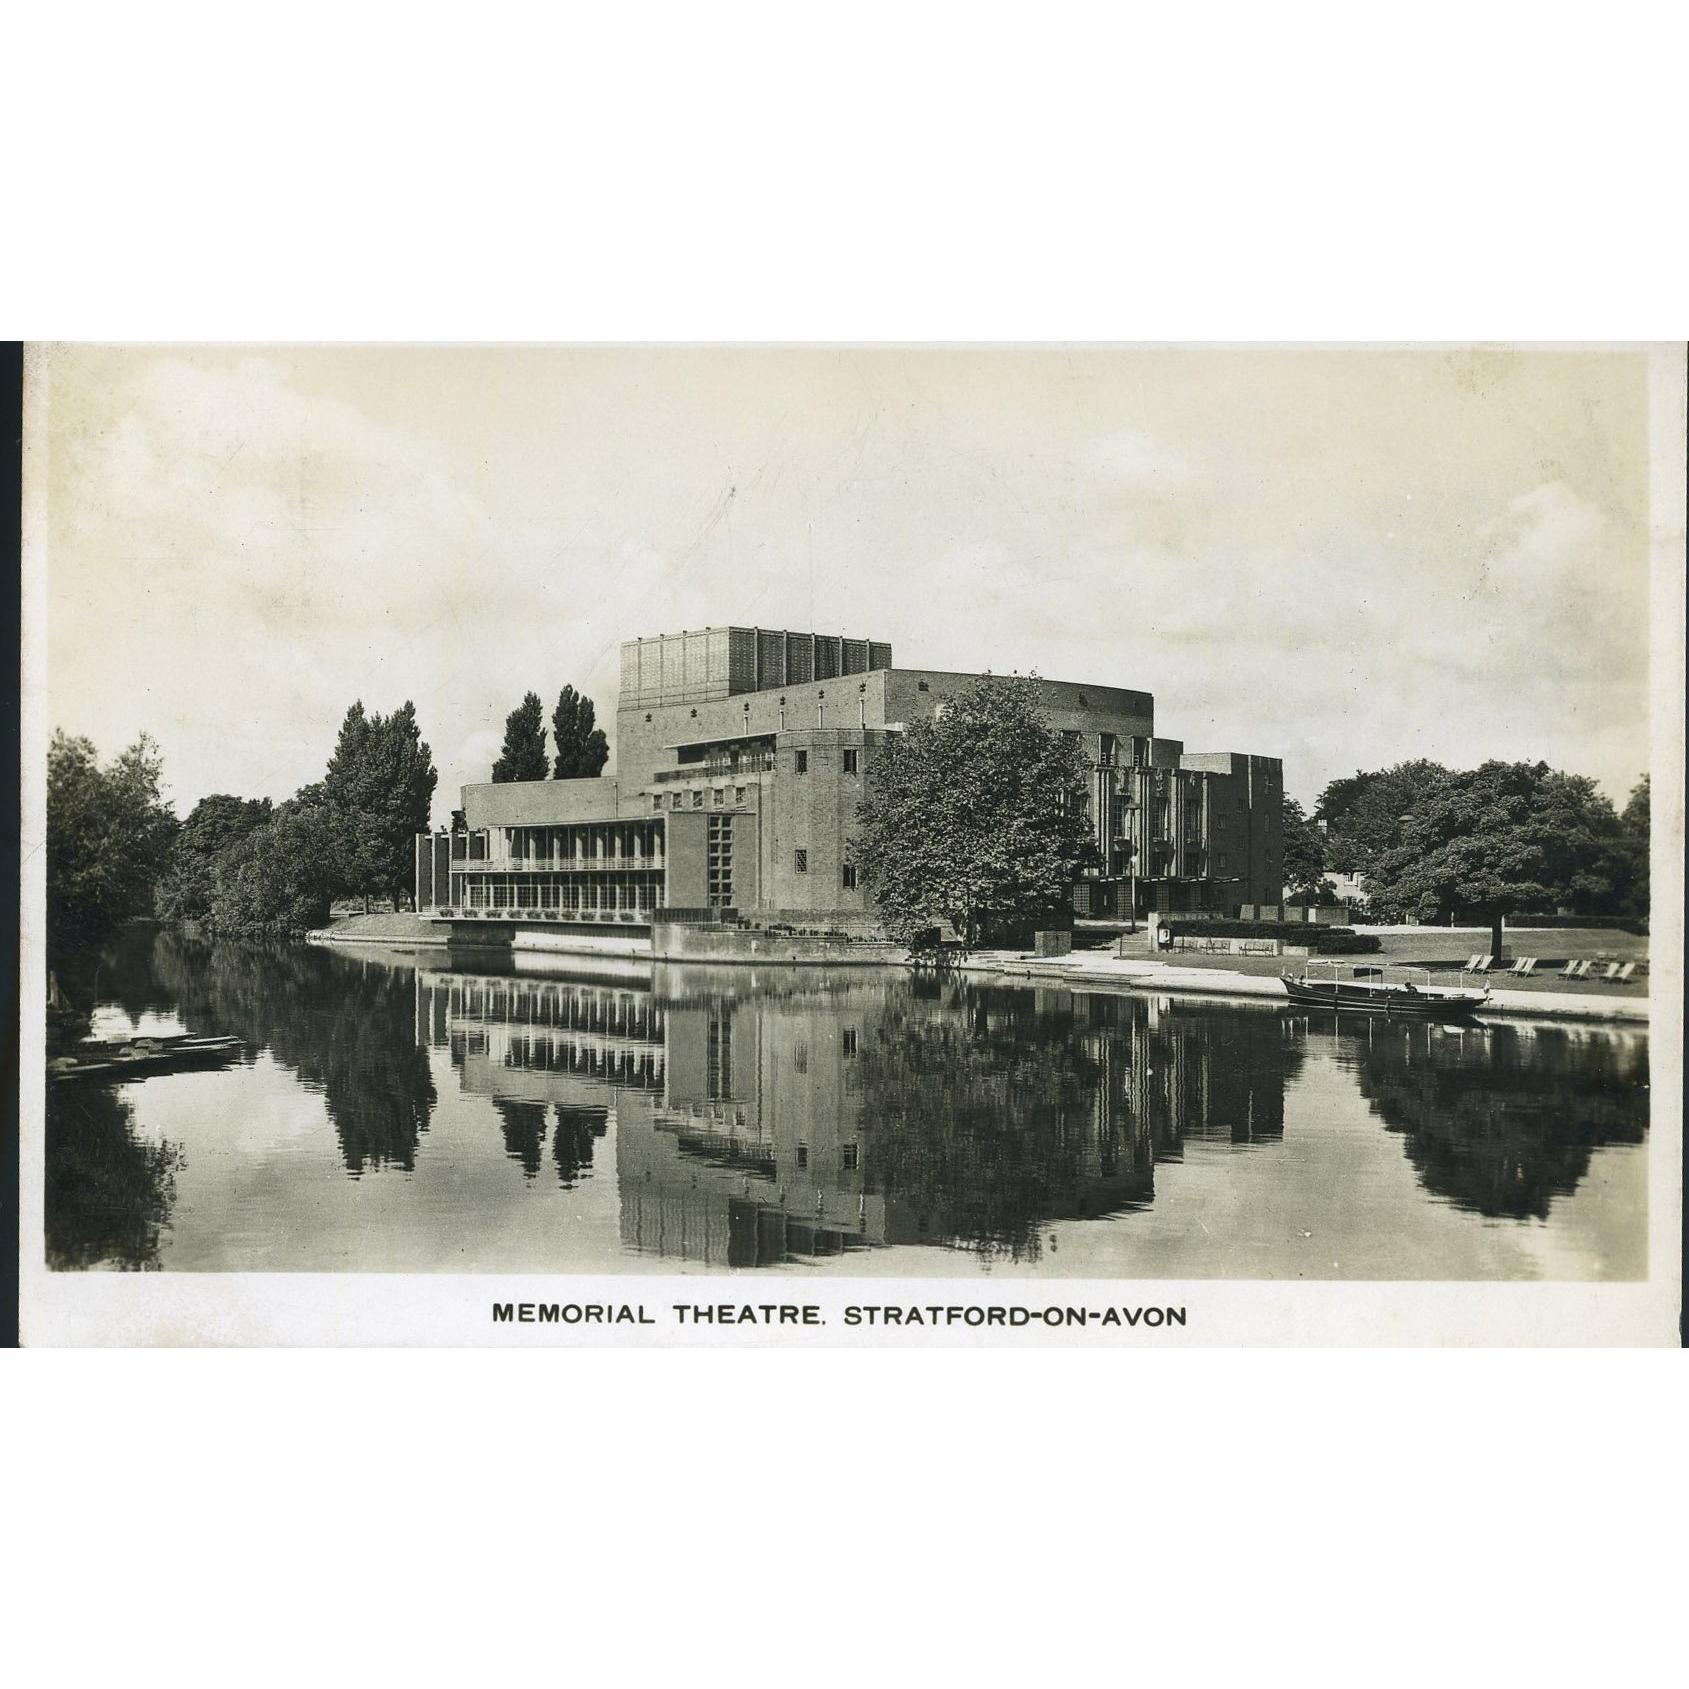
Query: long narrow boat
[1369, 991]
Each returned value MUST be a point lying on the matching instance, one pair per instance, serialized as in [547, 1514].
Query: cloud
[1346, 558]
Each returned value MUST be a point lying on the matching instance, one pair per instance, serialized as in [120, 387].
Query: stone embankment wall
[672, 942]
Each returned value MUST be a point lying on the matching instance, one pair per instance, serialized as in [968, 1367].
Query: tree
[976, 817]
[283, 877]
[215, 823]
[380, 784]
[108, 835]
[1363, 813]
[1506, 838]
[523, 756]
[582, 749]
[1304, 858]
[1634, 825]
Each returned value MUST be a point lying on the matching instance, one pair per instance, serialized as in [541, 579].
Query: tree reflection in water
[572, 1141]
[766, 1119]
[344, 1025]
[992, 1111]
[1501, 1120]
[985, 1120]
[523, 1125]
[108, 1191]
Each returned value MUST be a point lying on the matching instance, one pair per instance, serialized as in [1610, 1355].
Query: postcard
[813, 845]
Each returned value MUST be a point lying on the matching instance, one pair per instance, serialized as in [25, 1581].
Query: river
[414, 1113]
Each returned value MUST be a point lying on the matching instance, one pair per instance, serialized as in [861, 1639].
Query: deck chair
[1609, 973]
[1526, 967]
[1479, 965]
[1568, 971]
[1470, 966]
[1625, 974]
[1578, 970]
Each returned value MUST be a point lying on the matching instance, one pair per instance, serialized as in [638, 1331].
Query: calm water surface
[406, 1114]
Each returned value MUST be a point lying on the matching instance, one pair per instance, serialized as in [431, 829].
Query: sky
[1344, 558]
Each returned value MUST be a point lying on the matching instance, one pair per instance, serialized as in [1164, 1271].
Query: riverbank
[1096, 970]
[402, 931]
[1440, 950]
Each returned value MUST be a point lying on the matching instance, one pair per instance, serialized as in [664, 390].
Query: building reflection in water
[752, 1117]
[762, 1121]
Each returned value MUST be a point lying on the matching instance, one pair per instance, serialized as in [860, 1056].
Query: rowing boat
[135, 1058]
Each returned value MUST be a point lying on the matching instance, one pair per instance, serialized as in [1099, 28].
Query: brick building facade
[742, 755]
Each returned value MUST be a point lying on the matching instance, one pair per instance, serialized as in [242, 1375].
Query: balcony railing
[571, 864]
[531, 916]
[751, 762]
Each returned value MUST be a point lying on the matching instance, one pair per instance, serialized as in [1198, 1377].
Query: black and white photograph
[788, 816]
[850, 838]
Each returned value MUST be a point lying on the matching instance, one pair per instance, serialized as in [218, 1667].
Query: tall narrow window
[802, 761]
[847, 876]
[800, 861]
[850, 762]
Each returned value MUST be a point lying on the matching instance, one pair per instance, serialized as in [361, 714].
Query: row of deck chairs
[1595, 971]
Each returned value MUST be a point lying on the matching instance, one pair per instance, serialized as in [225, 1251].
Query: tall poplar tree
[582, 749]
[381, 782]
[523, 756]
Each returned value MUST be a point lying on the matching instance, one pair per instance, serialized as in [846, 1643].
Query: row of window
[612, 841]
[561, 894]
[718, 798]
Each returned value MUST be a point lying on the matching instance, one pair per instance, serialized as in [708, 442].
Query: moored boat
[1371, 991]
[135, 1058]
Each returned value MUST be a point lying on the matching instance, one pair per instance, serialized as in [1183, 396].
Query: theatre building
[741, 757]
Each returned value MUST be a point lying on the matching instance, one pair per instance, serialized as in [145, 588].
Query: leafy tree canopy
[283, 877]
[1636, 815]
[975, 817]
[582, 749]
[1304, 857]
[109, 833]
[1506, 838]
[1634, 822]
[216, 822]
[1363, 813]
[380, 783]
[523, 756]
